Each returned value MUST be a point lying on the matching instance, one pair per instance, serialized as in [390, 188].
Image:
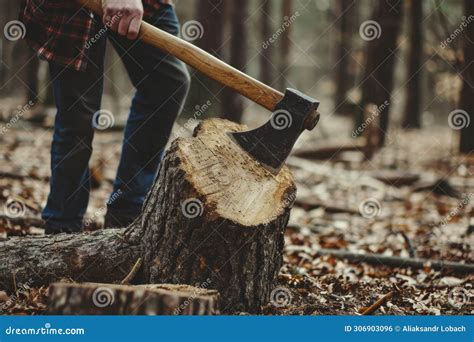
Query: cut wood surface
[213, 216]
[109, 299]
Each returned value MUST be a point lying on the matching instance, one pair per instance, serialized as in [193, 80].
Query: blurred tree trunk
[266, 59]
[343, 76]
[3, 42]
[285, 44]
[211, 15]
[233, 102]
[9, 11]
[466, 101]
[380, 59]
[413, 87]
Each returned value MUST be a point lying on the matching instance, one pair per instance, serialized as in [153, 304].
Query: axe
[293, 111]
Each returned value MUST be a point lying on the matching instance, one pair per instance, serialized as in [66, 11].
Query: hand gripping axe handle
[293, 111]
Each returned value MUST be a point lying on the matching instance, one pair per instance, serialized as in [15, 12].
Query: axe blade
[272, 143]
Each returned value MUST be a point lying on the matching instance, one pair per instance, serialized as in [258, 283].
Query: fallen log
[367, 144]
[329, 151]
[101, 256]
[310, 203]
[394, 261]
[395, 178]
[213, 214]
[108, 299]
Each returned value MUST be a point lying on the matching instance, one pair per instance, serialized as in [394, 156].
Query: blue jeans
[161, 82]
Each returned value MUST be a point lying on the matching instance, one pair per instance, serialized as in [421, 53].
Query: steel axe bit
[272, 143]
[292, 112]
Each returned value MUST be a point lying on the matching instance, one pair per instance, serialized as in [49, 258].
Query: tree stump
[214, 215]
[224, 218]
[109, 299]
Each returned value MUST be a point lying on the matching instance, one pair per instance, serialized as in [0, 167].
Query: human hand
[123, 16]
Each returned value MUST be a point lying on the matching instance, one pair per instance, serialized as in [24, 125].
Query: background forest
[385, 181]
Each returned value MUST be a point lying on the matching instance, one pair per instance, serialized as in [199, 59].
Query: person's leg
[162, 83]
[78, 96]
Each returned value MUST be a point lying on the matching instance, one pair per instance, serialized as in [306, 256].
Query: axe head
[272, 143]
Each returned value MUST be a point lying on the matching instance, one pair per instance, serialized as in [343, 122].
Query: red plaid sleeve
[59, 30]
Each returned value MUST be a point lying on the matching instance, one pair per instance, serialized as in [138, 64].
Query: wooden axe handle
[203, 62]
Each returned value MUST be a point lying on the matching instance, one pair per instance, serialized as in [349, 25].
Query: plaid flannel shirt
[59, 30]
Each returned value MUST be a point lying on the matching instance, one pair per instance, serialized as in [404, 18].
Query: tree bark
[213, 215]
[101, 256]
[238, 59]
[466, 101]
[380, 60]
[413, 87]
[107, 299]
[225, 225]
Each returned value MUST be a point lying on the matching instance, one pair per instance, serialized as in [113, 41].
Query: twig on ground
[411, 249]
[133, 272]
[374, 307]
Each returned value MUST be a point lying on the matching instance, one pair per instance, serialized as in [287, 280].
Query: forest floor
[343, 203]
